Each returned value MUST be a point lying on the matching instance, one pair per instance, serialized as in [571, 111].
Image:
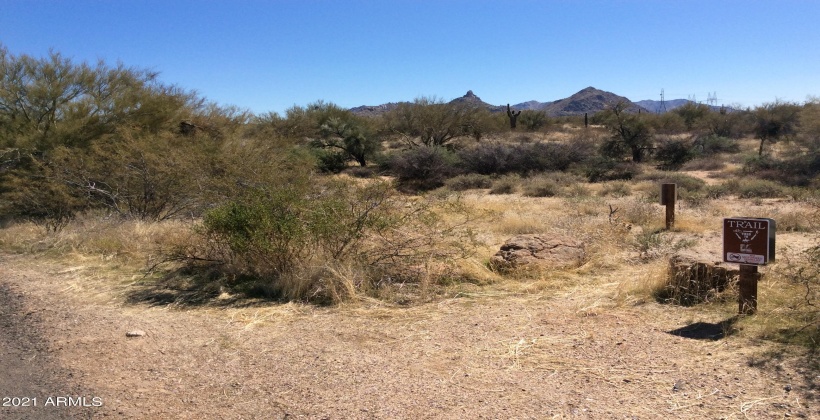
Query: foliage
[432, 122]
[282, 234]
[502, 158]
[607, 169]
[727, 123]
[533, 120]
[630, 133]
[692, 113]
[48, 102]
[423, 168]
[507, 184]
[347, 137]
[673, 153]
[469, 182]
[713, 144]
[774, 121]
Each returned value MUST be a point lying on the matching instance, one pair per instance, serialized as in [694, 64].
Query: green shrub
[606, 169]
[330, 161]
[423, 168]
[523, 158]
[713, 144]
[321, 242]
[672, 154]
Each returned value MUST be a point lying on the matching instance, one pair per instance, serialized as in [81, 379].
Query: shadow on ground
[176, 288]
[707, 331]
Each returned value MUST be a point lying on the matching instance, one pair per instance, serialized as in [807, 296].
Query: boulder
[539, 251]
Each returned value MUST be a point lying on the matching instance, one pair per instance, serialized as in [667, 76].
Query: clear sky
[270, 55]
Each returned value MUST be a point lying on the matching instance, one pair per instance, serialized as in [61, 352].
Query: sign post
[749, 242]
[668, 197]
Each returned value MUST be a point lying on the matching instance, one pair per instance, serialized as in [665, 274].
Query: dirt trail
[28, 374]
[478, 356]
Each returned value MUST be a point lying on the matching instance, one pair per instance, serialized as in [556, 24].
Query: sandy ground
[481, 355]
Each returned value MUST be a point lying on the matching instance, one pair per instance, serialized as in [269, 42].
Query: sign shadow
[707, 331]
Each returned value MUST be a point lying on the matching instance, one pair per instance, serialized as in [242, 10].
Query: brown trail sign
[749, 242]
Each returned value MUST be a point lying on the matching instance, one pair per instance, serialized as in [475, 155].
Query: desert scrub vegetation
[323, 205]
[329, 241]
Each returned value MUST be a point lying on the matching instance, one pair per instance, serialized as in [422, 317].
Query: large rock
[539, 251]
[696, 277]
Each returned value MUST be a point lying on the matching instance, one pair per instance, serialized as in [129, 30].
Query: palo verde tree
[52, 101]
[75, 136]
[630, 133]
[337, 134]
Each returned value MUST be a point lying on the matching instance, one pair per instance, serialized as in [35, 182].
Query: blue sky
[270, 55]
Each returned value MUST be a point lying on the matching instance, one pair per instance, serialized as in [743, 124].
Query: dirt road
[481, 355]
[32, 384]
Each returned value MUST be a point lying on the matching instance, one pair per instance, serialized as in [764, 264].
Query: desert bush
[747, 188]
[638, 212]
[760, 188]
[323, 242]
[507, 184]
[673, 153]
[522, 158]
[330, 161]
[615, 189]
[540, 186]
[713, 144]
[796, 317]
[692, 113]
[630, 134]
[533, 120]
[607, 169]
[423, 168]
[469, 182]
[434, 123]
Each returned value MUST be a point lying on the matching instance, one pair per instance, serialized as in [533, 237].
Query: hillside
[589, 100]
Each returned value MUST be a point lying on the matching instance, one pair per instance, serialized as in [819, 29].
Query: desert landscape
[163, 257]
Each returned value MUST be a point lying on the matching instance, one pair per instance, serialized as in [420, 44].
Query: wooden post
[668, 198]
[747, 285]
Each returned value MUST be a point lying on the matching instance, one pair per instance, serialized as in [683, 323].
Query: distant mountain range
[589, 100]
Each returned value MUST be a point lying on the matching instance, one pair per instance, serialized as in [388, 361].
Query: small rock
[135, 333]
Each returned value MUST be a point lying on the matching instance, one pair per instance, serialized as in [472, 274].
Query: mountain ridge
[587, 100]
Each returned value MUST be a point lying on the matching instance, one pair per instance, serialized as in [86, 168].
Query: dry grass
[625, 265]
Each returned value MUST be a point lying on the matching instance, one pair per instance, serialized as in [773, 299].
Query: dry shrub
[507, 184]
[615, 189]
[791, 292]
